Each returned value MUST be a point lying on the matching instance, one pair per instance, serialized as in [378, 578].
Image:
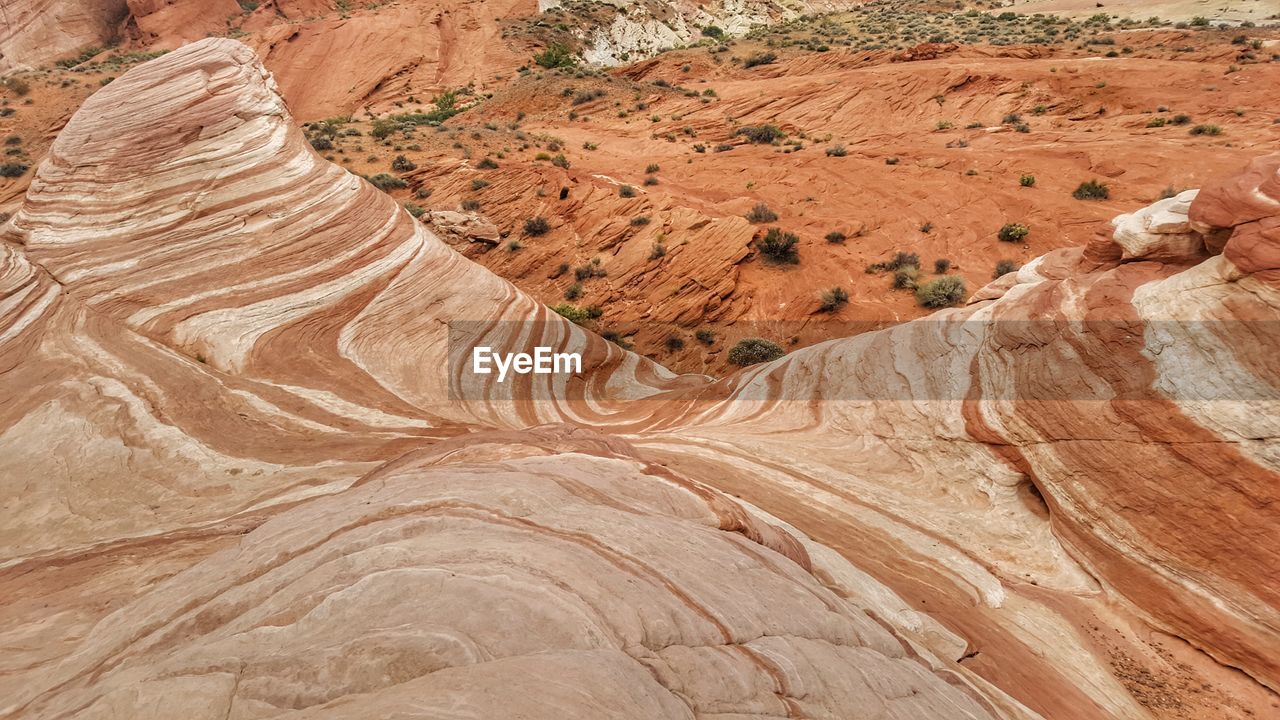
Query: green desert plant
[1013, 232]
[942, 292]
[780, 247]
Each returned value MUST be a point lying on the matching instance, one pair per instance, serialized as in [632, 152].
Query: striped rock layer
[239, 481]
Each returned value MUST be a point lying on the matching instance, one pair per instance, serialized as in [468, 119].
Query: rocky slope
[235, 477]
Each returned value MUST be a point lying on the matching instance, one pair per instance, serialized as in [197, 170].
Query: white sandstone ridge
[642, 28]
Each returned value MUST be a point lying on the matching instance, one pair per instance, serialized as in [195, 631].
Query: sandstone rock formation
[35, 31]
[238, 481]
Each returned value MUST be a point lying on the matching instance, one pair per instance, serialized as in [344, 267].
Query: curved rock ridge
[236, 484]
[208, 223]
[1126, 386]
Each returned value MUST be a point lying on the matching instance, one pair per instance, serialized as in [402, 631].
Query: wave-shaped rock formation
[236, 485]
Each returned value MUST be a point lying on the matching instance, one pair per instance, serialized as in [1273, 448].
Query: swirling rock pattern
[236, 485]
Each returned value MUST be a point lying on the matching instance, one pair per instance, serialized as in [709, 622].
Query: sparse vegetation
[780, 247]
[836, 237]
[577, 315]
[384, 181]
[1004, 267]
[761, 134]
[536, 226]
[1206, 130]
[403, 164]
[837, 151]
[834, 299]
[626, 191]
[760, 213]
[942, 292]
[1027, 181]
[1092, 190]
[752, 351]
[941, 266]
[1013, 232]
[555, 55]
[760, 58]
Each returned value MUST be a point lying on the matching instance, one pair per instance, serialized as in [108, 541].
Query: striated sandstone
[240, 487]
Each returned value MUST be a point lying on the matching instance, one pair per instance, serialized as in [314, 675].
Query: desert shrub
[891, 161]
[403, 164]
[837, 151]
[761, 213]
[658, 251]
[382, 128]
[761, 134]
[573, 292]
[414, 210]
[1157, 122]
[1180, 120]
[575, 314]
[1027, 181]
[487, 163]
[651, 168]
[674, 343]
[471, 205]
[651, 180]
[760, 58]
[383, 181]
[514, 245]
[941, 266]
[780, 247]
[536, 226]
[640, 221]
[592, 269]
[627, 191]
[17, 85]
[942, 292]
[836, 237]
[560, 161]
[834, 299]
[479, 184]
[706, 337]
[585, 96]
[1206, 130]
[1004, 267]
[904, 278]
[1013, 232]
[322, 143]
[555, 56]
[713, 32]
[1092, 190]
[751, 351]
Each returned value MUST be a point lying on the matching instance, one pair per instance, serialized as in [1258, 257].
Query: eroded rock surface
[237, 485]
